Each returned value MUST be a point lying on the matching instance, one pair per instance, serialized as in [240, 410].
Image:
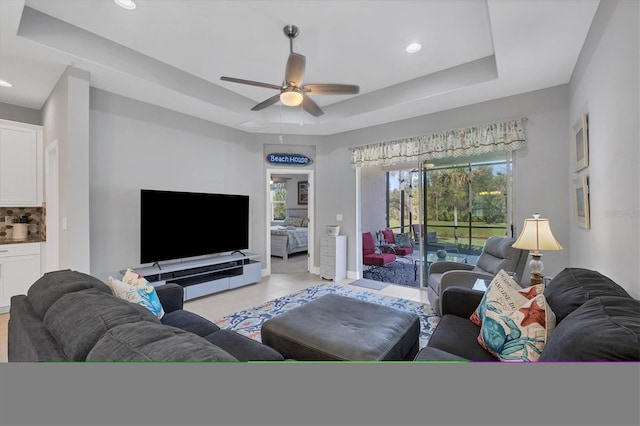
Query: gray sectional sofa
[596, 320]
[70, 316]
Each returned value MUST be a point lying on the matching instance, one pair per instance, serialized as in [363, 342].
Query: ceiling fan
[292, 91]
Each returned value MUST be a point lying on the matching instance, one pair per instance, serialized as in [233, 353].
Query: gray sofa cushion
[190, 322]
[604, 328]
[434, 354]
[242, 347]
[146, 341]
[459, 336]
[498, 254]
[77, 320]
[53, 285]
[572, 287]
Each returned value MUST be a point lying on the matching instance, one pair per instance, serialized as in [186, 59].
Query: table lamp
[536, 235]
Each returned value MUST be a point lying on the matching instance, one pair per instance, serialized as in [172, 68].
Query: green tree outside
[457, 217]
[279, 201]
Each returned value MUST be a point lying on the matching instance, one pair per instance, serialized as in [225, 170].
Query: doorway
[289, 195]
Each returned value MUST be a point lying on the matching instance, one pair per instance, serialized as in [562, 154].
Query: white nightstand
[333, 257]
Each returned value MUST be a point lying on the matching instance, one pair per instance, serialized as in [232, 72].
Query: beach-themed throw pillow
[133, 278]
[136, 289]
[503, 293]
[518, 335]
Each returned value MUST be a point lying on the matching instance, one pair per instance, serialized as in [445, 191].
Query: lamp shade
[536, 235]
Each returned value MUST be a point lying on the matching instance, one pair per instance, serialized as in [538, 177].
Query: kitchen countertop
[31, 239]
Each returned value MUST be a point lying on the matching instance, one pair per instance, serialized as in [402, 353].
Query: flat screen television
[177, 225]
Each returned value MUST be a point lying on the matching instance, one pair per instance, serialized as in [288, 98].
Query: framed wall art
[303, 192]
[581, 201]
[580, 144]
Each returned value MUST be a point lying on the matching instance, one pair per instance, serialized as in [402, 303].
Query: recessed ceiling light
[126, 4]
[413, 47]
[5, 83]
[251, 125]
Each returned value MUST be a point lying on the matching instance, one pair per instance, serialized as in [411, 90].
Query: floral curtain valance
[503, 136]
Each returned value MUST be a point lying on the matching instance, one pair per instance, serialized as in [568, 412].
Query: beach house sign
[289, 159]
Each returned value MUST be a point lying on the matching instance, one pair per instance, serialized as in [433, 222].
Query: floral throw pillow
[136, 289]
[518, 335]
[503, 293]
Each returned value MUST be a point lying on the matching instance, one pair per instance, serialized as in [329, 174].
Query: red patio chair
[371, 256]
[390, 238]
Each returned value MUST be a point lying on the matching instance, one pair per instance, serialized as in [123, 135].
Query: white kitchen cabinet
[19, 269]
[21, 164]
[333, 257]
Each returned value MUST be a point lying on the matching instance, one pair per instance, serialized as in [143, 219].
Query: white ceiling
[172, 53]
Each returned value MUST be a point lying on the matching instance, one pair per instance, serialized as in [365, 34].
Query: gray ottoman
[341, 328]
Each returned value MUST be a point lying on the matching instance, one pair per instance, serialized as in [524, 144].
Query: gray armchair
[497, 254]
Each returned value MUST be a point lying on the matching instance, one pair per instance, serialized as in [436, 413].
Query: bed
[292, 236]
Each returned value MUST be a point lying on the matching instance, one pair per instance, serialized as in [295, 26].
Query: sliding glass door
[450, 210]
[463, 206]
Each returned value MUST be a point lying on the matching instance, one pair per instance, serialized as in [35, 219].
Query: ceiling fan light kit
[292, 91]
[291, 97]
[126, 4]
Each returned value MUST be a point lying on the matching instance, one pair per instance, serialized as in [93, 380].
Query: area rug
[249, 322]
[370, 284]
[401, 273]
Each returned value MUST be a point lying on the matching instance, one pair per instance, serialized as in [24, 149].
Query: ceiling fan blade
[251, 83]
[310, 106]
[331, 89]
[262, 105]
[295, 70]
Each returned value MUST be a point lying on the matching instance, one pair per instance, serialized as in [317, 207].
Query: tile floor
[276, 285]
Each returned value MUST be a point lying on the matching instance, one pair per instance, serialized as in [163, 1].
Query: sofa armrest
[171, 296]
[465, 279]
[444, 266]
[460, 301]
[28, 340]
[388, 248]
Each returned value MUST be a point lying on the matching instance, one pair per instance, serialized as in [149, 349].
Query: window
[278, 200]
[402, 199]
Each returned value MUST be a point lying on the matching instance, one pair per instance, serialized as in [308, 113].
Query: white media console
[208, 275]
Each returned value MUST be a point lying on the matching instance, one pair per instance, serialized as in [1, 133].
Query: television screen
[176, 225]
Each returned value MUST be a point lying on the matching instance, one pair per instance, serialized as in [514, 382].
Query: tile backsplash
[35, 214]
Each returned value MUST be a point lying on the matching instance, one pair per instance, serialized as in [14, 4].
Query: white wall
[136, 145]
[66, 119]
[605, 85]
[373, 199]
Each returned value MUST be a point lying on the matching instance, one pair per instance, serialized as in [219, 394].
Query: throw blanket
[298, 237]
